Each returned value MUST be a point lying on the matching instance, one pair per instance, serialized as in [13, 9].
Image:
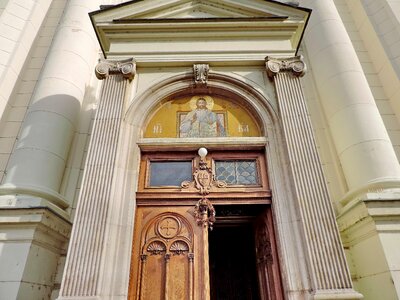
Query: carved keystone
[200, 72]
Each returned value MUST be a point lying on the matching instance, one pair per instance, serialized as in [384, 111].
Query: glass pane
[242, 172]
[170, 173]
[247, 172]
[226, 171]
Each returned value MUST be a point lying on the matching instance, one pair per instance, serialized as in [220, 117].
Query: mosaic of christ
[201, 121]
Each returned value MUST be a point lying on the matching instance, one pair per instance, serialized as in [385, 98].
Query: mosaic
[201, 116]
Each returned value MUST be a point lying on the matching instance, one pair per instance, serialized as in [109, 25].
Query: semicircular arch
[230, 86]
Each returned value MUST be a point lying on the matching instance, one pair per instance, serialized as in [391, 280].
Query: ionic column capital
[126, 68]
[294, 65]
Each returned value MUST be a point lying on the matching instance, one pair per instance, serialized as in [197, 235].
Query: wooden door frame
[268, 267]
[170, 197]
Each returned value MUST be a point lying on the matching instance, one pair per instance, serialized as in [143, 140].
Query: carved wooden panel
[267, 258]
[171, 248]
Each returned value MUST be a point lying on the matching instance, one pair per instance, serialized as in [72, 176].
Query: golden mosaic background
[164, 123]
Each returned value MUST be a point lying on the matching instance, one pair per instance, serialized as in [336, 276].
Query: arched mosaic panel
[201, 116]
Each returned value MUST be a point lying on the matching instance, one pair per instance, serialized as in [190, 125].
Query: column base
[346, 294]
[26, 201]
[370, 226]
[35, 191]
[32, 242]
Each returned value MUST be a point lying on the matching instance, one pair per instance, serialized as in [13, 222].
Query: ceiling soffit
[170, 23]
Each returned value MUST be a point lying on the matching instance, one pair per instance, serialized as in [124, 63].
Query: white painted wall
[3, 4]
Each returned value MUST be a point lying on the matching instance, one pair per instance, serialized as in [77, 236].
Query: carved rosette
[168, 227]
[294, 65]
[126, 68]
[200, 72]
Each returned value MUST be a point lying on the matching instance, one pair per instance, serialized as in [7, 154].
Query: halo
[193, 100]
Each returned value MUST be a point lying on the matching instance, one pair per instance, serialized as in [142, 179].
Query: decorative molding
[191, 257]
[294, 65]
[264, 250]
[156, 248]
[126, 68]
[204, 213]
[200, 73]
[169, 233]
[168, 227]
[179, 247]
[203, 180]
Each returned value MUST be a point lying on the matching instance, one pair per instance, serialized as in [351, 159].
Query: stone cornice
[279, 26]
[294, 65]
[126, 68]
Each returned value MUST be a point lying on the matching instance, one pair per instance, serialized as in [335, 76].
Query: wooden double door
[176, 258]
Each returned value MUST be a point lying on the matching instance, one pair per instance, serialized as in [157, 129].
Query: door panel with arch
[170, 258]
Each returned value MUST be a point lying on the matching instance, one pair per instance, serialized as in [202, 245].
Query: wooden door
[170, 259]
[267, 259]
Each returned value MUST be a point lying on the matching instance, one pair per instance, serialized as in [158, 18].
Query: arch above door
[222, 89]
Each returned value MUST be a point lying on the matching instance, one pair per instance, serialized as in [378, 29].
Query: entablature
[273, 29]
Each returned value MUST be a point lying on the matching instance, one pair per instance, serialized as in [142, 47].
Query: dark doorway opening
[233, 271]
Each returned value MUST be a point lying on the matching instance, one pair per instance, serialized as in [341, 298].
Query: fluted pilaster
[327, 263]
[86, 247]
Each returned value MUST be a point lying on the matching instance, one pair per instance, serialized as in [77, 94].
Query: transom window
[237, 172]
[163, 172]
[173, 173]
[170, 173]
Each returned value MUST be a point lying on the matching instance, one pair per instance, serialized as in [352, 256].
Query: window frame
[257, 194]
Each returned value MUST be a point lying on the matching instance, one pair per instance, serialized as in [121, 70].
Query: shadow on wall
[45, 139]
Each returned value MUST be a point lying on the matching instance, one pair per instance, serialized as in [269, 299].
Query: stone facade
[71, 133]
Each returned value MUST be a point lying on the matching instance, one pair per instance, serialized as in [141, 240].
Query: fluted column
[361, 140]
[84, 259]
[327, 263]
[37, 165]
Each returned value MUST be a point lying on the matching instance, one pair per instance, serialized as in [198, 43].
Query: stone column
[37, 165]
[370, 223]
[33, 224]
[361, 140]
[84, 260]
[327, 264]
